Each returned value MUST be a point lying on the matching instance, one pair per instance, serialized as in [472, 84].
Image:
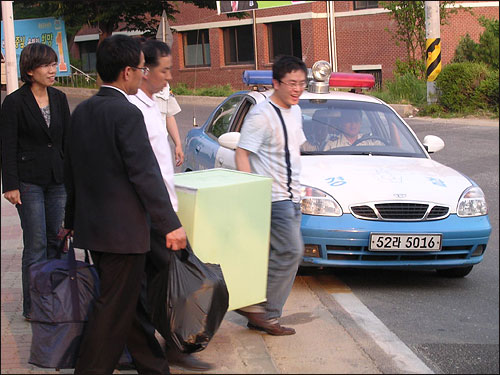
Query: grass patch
[404, 89]
[217, 90]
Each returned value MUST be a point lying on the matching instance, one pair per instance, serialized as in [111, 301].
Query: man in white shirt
[158, 60]
[270, 142]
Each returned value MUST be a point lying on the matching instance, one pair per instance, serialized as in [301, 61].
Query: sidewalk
[321, 345]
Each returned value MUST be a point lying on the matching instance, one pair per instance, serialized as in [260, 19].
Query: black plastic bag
[62, 294]
[187, 301]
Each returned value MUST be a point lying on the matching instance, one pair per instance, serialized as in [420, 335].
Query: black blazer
[31, 151]
[112, 178]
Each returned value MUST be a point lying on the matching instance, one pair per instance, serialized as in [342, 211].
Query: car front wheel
[454, 272]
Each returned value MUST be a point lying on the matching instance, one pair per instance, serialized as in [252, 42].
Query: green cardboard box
[226, 215]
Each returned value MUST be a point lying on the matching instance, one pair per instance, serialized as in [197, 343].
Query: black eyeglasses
[145, 69]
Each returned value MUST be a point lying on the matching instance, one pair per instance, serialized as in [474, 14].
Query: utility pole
[432, 47]
[10, 49]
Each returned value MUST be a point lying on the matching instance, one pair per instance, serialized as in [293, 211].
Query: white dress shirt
[158, 137]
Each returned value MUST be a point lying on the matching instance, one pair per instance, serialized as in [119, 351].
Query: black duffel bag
[62, 294]
[187, 300]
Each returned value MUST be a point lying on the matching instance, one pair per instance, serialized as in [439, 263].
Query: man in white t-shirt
[270, 142]
[158, 60]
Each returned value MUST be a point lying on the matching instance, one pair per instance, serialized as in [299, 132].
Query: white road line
[404, 358]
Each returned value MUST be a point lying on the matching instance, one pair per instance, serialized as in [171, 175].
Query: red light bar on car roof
[352, 80]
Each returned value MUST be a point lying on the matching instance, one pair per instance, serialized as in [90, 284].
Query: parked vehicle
[380, 202]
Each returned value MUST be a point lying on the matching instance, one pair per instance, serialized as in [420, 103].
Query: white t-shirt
[262, 135]
[166, 103]
[158, 137]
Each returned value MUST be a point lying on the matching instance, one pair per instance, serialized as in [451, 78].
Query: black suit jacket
[112, 178]
[31, 151]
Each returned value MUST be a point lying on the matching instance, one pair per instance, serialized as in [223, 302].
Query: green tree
[487, 49]
[410, 29]
[106, 15]
[466, 50]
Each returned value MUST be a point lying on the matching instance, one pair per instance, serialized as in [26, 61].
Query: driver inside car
[350, 126]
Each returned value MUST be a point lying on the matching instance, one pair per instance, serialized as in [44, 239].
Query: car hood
[356, 179]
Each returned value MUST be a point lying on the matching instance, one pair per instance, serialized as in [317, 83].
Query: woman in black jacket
[34, 121]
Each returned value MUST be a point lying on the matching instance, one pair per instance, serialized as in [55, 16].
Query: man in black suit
[115, 192]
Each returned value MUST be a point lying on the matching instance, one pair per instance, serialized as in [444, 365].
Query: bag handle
[73, 280]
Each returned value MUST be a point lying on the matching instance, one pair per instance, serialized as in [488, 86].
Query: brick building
[212, 49]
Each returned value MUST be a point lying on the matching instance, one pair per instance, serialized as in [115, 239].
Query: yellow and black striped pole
[432, 48]
[433, 53]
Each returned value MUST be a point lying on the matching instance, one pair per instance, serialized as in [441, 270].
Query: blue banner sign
[49, 31]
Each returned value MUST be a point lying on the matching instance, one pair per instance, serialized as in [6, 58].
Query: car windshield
[355, 128]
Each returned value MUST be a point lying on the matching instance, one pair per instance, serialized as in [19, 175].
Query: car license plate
[404, 242]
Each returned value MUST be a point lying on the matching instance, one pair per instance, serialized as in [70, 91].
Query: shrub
[488, 48]
[487, 92]
[217, 90]
[466, 50]
[403, 89]
[181, 89]
[457, 84]
[416, 68]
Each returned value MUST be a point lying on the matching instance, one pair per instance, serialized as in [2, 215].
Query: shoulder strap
[287, 151]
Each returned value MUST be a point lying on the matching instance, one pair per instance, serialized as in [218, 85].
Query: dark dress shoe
[187, 361]
[257, 319]
[273, 329]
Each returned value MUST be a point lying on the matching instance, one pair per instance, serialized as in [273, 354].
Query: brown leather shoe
[187, 361]
[273, 329]
[257, 319]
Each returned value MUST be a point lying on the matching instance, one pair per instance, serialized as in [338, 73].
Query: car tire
[454, 272]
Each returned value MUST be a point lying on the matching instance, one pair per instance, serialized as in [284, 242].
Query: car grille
[400, 211]
[359, 253]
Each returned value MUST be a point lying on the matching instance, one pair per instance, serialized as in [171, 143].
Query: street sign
[50, 31]
[164, 33]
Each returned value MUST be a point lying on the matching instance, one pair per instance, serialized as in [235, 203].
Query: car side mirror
[229, 140]
[433, 143]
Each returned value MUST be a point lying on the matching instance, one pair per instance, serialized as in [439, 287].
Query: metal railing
[78, 79]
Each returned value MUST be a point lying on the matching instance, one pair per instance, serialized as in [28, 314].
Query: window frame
[360, 5]
[202, 33]
[228, 47]
[270, 39]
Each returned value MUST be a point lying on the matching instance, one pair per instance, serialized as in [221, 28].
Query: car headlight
[317, 202]
[472, 203]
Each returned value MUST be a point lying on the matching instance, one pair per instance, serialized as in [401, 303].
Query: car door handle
[198, 148]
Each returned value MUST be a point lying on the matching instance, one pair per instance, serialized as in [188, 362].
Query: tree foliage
[410, 29]
[486, 51]
[106, 15]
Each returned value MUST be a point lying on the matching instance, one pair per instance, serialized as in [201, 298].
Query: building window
[238, 45]
[196, 48]
[88, 55]
[376, 73]
[365, 4]
[284, 39]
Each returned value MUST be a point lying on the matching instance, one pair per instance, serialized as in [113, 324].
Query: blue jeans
[285, 254]
[42, 215]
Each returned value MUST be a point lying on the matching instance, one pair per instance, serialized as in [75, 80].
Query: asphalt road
[451, 324]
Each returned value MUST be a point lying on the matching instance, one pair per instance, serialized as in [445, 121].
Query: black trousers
[119, 319]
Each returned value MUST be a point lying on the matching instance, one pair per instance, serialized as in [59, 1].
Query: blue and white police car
[374, 199]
